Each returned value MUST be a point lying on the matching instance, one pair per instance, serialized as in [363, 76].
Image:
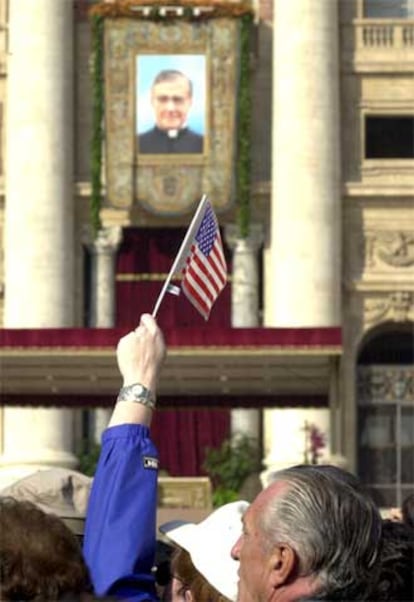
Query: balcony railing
[376, 34]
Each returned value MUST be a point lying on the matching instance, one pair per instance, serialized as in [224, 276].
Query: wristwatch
[137, 393]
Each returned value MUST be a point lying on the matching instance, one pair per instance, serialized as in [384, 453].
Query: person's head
[59, 491]
[407, 511]
[171, 99]
[188, 584]
[312, 531]
[162, 568]
[396, 578]
[203, 565]
[40, 557]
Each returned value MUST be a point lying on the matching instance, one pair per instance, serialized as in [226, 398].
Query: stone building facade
[331, 243]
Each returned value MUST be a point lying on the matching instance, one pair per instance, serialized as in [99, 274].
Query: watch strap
[137, 393]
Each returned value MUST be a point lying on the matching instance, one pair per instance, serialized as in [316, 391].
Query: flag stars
[205, 272]
[207, 232]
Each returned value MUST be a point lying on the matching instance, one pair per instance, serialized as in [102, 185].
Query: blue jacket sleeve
[120, 537]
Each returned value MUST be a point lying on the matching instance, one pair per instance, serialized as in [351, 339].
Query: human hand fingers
[141, 352]
[147, 321]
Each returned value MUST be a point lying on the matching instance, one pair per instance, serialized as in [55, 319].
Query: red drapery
[182, 436]
[145, 258]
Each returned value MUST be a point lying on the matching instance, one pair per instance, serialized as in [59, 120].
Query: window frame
[383, 164]
[399, 487]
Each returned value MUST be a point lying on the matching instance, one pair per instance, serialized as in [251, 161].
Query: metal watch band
[137, 393]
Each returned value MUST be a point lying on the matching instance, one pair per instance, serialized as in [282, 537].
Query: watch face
[138, 390]
[138, 393]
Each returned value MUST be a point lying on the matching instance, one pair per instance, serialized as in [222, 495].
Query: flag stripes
[205, 270]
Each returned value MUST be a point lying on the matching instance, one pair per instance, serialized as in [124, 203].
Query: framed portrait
[170, 104]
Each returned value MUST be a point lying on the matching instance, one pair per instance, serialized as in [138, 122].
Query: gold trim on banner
[127, 277]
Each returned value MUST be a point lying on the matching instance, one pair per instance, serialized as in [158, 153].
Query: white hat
[209, 544]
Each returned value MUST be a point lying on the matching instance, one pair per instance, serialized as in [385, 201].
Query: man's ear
[282, 564]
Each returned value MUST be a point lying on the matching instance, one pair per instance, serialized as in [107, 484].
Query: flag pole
[183, 249]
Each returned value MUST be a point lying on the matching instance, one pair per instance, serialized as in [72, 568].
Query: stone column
[103, 251]
[245, 308]
[303, 262]
[39, 254]
[303, 269]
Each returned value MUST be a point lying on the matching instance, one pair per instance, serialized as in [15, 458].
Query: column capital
[254, 240]
[107, 240]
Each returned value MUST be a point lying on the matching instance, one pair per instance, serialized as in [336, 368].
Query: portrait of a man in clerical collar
[175, 122]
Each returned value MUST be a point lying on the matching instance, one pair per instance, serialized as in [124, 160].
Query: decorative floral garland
[158, 9]
[125, 8]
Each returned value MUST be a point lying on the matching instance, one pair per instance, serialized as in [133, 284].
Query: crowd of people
[312, 534]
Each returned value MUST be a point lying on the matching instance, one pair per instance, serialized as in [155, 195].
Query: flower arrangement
[155, 9]
[315, 442]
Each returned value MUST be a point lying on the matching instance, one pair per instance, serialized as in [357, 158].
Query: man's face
[171, 101]
[250, 550]
[253, 554]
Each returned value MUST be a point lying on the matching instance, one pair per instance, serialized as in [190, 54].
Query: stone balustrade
[374, 34]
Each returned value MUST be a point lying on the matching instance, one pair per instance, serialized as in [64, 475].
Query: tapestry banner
[170, 112]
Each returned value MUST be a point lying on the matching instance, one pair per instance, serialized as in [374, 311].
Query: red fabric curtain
[145, 258]
[182, 436]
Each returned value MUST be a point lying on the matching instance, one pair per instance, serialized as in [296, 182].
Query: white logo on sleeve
[150, 462]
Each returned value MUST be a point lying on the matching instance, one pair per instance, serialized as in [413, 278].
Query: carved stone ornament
[397, 307]
[395, 249]
[169, 183]
[379, 384]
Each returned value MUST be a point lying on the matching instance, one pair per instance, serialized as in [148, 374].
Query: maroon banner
[201, 336]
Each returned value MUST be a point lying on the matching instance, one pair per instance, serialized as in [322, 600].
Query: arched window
[385, 393]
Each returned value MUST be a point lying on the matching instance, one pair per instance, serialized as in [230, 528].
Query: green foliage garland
[244, 134]
[97, 121]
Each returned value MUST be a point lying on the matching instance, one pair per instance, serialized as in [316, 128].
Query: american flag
[205, 270]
